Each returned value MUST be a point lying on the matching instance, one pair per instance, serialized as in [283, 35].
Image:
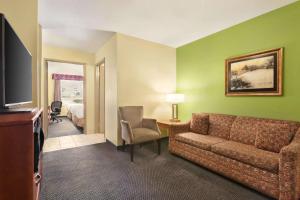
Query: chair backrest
[132, 114]
[56, 106]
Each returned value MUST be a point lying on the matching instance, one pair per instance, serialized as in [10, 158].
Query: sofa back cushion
[199, 123]
[272, 137]
[220, 125]
[245, 129]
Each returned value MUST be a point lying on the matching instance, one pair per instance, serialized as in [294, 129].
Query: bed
[75, 113]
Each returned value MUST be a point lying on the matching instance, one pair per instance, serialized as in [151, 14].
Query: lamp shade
[175, 98]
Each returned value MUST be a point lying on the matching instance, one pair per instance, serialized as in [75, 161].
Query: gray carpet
[63, 128]
[101, 172]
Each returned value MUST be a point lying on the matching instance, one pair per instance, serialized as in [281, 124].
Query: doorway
[100, 97]
[73, 115]
[65, 98]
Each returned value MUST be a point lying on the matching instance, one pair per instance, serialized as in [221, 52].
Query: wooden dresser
[18, 181]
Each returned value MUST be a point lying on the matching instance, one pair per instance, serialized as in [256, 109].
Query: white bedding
[75, 108]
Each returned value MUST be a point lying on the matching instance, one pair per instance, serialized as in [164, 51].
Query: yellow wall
[64, 54]
[23, 16]
[146, 73]
[138, 72]
[109, 53]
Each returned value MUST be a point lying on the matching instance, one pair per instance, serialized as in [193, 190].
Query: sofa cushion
[272, 137]
[199, 123]
[220, 125]
[144, 134]
[248, 154]
[198, 140]
[244, 130]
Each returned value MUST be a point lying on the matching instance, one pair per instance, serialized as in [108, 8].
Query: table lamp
[175, 99]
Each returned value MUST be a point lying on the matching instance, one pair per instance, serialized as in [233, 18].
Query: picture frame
[256, 74]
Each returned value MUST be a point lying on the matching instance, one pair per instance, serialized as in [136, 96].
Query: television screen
[16, 68]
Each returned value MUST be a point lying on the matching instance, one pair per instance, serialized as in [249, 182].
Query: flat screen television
[15, 68]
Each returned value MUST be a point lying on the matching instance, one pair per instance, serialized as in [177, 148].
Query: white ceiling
[170, 22]
[75, 38]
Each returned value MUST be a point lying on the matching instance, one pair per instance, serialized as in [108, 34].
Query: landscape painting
[255, 74]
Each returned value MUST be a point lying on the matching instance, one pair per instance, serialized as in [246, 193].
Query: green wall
[201, 70]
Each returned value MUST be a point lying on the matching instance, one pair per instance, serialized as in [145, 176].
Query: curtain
[67, 77]
[57, 91]
[57, 78]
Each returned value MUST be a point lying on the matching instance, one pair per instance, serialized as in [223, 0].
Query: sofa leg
[158, 147]
[131, 152]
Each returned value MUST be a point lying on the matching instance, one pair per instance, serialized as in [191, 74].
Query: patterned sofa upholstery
[263, 154]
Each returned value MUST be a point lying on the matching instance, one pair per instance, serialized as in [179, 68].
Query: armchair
[136, 130]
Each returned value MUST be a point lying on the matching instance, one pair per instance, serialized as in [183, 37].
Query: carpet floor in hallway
[63, 128]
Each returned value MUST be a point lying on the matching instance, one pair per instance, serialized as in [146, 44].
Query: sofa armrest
[179, 128]
[126, 131]
[151, 124]
[289, 170]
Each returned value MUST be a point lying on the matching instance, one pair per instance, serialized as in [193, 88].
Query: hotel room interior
[108, 99]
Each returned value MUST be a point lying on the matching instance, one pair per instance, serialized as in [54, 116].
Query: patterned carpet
[101, 172]
[63, 128]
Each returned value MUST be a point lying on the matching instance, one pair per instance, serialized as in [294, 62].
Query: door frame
[98, 87]
[46, 60]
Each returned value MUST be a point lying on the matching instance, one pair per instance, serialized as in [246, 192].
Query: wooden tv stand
[17, 177]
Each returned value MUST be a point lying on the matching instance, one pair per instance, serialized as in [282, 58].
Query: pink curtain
[67, 77]
[57, 91]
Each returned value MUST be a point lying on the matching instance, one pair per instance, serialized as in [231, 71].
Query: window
[71, 90]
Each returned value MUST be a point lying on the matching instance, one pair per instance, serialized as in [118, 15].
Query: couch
[263, 154]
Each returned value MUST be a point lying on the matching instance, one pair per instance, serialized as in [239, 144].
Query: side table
[165, 125]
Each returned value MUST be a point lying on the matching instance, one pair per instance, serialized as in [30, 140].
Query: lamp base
[174, 120]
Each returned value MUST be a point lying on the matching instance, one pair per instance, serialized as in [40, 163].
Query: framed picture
[258, 74]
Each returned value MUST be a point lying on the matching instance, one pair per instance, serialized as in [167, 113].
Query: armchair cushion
[141, 135]
[272, 137]
[198, 140]
[132, 114]
[199, 123]
[150, 124]
[248, 154]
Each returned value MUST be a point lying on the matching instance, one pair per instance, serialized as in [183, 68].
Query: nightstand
[165, 127]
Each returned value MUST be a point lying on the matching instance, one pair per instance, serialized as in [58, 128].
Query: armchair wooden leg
[158, 146]
[123, 145]
[131, 152]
